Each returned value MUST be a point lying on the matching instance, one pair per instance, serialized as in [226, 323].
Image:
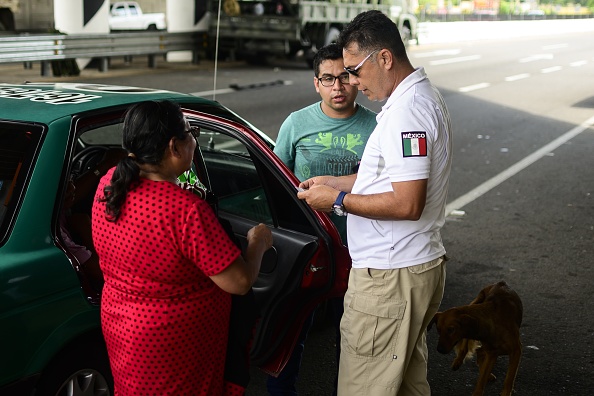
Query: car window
[17, 149]
[233, 177]
[120, 11]
[109, 135]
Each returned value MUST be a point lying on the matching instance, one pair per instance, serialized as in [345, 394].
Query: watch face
[339, 210]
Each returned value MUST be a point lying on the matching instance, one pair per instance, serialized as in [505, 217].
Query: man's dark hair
[373, 30]
[328, 52]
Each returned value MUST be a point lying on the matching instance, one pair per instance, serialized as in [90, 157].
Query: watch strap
[340, 198]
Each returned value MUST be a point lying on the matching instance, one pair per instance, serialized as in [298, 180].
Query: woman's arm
[239, 277]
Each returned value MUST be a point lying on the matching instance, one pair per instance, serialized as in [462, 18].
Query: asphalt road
[523, 177]
[522, 186]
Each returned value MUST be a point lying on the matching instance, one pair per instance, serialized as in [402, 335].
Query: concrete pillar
[82, 17]
[186, 16]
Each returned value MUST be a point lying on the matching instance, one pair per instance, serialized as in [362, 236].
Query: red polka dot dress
[164, 321]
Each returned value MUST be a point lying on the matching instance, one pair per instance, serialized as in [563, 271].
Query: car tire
[406, 35]
[331, 36]
[81, 370]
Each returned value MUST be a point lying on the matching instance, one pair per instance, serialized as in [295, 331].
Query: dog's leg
[486, 362]
[461, 352]
[512, 371]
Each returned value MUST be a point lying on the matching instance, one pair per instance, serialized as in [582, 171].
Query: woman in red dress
[169, 266]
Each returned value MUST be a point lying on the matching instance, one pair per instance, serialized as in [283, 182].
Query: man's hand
[340, 183]
[318, 180]
[319, 196]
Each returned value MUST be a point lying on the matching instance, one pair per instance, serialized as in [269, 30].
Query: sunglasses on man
[355, 71]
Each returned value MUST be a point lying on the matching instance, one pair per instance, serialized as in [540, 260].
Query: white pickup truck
[127, 16]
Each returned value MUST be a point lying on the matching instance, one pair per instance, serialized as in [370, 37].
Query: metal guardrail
[46, 48]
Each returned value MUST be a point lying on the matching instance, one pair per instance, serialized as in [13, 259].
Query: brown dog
[489, 326]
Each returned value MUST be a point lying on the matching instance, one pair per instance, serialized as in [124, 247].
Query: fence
[451, 17]
[46, 48]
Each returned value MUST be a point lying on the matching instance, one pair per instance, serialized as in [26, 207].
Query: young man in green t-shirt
[325, 138]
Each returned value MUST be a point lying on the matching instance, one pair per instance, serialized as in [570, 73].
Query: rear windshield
[18, 144]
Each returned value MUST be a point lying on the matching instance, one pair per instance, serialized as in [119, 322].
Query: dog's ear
[433, 320]
[468, 323]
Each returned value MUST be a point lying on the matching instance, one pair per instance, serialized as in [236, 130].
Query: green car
[49, 305]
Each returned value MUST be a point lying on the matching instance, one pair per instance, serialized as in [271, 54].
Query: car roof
[47, 102]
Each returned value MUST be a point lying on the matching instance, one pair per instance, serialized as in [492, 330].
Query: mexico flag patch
[414, 144]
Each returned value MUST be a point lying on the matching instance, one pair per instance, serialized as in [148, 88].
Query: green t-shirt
[312, 144]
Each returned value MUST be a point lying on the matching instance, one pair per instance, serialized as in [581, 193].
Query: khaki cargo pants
[384, 327]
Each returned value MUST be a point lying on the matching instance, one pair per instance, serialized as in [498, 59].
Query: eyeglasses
[329, 80]
[355, 71]
[195, 131]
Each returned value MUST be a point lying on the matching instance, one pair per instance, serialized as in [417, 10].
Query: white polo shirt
[412, 141]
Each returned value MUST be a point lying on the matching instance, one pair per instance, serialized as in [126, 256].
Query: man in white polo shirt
[396, 208]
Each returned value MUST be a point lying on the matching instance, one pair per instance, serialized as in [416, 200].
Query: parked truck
[128, 16]
[254, 29]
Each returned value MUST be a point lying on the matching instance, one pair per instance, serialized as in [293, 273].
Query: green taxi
[51, 339]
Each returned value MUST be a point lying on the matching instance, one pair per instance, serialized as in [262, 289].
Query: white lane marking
[536, 58]
[213, 92]
[474, 87]
[239, 88]
[454, 60]
[517, 77]
[227, 145]
[437, 53]
[551, 69]
[553, 46]
[470, 196]
[578, 63]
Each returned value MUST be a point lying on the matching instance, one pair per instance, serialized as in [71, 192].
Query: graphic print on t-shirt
[336, 155]
[414, 144]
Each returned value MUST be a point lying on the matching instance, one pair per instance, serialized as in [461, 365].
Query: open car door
[247, 184]
[307, 263]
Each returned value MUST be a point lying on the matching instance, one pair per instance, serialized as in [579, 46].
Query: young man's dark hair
[330, 51]
[327, 136]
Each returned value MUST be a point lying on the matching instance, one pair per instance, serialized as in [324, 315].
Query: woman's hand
[260, 233]
[239, 277]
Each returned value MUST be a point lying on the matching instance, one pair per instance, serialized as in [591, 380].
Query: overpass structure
[49, 31]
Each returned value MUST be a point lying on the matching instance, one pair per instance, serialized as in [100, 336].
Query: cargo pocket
[372, 325]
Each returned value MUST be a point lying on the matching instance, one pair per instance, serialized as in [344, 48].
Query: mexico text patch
[414, 144]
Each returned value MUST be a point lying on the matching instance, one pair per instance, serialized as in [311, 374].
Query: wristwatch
[338, 207]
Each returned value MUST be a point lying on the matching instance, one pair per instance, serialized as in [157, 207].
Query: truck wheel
[309, 60]
[80, 371]
[152, 27]
[406, 35]
[331, 36]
